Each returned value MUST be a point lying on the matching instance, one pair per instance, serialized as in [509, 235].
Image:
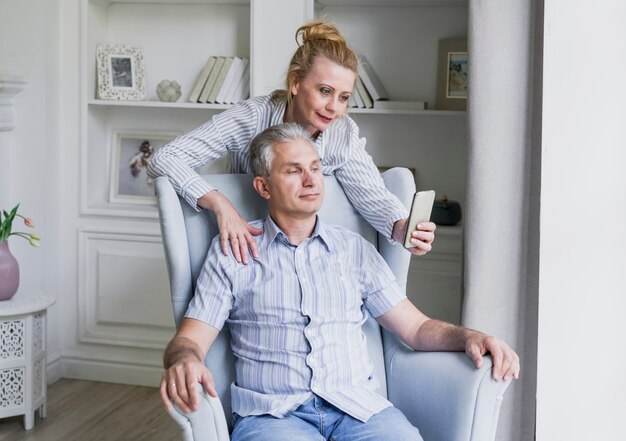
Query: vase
[9, 272]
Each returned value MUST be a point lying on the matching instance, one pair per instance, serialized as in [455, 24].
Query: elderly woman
[319, 84]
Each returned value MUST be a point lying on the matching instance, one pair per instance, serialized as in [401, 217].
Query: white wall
[29, 45]
[581, 358]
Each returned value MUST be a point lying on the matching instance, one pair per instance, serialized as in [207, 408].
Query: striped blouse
[341, 150]
[295, 315]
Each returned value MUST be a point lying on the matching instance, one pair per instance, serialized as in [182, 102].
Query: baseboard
[110, 372]
[54, 368]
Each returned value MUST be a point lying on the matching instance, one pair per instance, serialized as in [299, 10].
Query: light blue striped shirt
[295, 315]
[341, 150]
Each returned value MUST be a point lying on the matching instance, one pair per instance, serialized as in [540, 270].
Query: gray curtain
[501, 223]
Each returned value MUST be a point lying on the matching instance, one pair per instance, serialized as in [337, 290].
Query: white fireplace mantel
[10, 85]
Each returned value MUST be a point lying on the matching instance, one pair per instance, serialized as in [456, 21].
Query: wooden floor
[91, 411]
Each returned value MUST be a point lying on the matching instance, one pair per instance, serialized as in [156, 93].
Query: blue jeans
[318, 420]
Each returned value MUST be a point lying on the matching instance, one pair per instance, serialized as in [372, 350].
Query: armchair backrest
[187, 235]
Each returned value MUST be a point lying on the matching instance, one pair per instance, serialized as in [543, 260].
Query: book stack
[368, 88]
[369, 92]
[223, 80]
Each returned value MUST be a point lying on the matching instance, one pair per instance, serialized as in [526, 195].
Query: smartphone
[421, 208]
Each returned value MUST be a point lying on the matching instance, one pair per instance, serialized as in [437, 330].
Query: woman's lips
[325, 119]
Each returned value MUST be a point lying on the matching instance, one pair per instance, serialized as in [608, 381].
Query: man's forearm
[435, 335]
[181, 349]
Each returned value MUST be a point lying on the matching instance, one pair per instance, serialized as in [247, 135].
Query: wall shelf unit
[199, 28]
[176, 39]
[399, 38]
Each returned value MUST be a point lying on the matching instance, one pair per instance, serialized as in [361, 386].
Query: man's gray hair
[261, 150]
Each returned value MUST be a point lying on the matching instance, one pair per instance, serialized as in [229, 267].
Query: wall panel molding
[123, 289]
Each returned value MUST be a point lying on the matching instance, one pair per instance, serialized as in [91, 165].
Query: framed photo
[120, 72]
[129, 182]
[452, 75]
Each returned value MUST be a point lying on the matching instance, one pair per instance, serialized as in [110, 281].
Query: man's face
[295, 187]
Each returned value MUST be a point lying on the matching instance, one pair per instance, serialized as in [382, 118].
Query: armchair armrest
[444, 395]
[208, 423]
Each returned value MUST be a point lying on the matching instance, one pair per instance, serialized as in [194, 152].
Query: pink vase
[9, 272]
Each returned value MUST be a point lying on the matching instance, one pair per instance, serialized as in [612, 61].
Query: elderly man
[296, 315]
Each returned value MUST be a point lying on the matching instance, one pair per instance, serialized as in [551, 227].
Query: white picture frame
[129, 181]
[120, 71]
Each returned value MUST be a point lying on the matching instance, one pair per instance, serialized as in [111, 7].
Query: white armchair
[441, 393]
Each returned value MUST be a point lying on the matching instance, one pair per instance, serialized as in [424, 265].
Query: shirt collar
[321, 231]
[271, 231]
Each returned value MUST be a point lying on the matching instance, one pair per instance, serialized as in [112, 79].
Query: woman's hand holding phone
[406, 230]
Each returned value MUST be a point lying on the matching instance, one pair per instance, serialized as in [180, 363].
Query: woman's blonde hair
[317, 38]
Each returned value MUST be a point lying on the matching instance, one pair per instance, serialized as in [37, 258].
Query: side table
[23, 387]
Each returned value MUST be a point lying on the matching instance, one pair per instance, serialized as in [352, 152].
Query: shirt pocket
[341, 290]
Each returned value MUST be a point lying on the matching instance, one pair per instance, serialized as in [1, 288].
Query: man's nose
[308, 179]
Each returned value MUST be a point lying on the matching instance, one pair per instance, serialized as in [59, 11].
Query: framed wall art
[120, 70]
[131, 151]
[452, 75]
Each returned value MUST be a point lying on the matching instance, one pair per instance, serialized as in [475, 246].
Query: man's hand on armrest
[506, 363]
[184, 366]
[425, 334]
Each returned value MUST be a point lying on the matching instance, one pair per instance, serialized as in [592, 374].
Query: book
[231, 77]
[357, 97]
[352, 102]
[237, 90]
[245, 93]
[367, 100]
[208, 86]
[219, 81]
[201, 80]
[371, 81]
[230, 82]
[401, 105]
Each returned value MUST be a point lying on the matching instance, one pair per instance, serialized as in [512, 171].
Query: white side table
[23, 387]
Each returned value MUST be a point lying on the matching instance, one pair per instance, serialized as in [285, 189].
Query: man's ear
[261, 186]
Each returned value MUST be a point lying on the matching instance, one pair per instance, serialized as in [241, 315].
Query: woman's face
[321, 96]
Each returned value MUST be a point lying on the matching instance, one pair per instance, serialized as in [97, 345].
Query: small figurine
[168, 91]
